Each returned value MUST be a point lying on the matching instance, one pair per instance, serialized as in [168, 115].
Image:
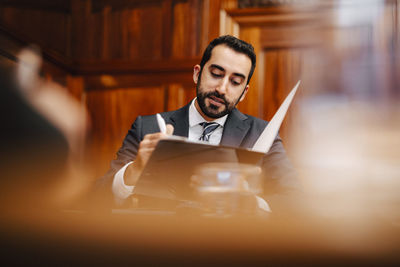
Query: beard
[213, 111]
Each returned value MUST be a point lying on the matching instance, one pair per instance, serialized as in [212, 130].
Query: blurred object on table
[227, 189]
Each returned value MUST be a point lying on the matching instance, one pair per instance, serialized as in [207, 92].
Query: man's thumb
[170, 129]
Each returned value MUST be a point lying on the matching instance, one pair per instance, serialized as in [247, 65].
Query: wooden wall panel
[180, 30]
[186, 29]
[10, 47]
[283, 68]
[134, 33]
[151, 30]
[180, 95]
[282, 71]
[252, 104]
[49, 29]
[324, 46]
[112, 112]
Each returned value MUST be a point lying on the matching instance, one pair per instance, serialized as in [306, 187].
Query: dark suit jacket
[240, 130]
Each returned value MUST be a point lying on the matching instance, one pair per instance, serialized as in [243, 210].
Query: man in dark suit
[222, 81]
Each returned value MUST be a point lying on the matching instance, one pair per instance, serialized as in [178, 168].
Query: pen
[161, 123]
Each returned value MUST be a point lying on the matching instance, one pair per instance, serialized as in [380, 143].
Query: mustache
[218, 95]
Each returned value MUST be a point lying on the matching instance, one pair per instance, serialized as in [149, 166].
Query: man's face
[222, 82]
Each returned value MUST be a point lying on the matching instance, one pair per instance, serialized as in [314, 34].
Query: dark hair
[236, 44]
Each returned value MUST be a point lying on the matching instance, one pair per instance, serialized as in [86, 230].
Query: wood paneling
[186, 29]
[140, 32]
[63, 6]
[112, 112]
[309, 42]
[11, 45]
[128, 57]
[128, 34]
[282, 71]
[99, 5]
[214, 7]
[90, 67]
[110, 82]
[123, 58]
[180, 95]
[51, 28]
[252, 104]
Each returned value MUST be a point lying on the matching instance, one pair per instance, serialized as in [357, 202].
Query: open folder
[168, 171]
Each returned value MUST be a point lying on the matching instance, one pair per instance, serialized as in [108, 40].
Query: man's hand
[146, 147]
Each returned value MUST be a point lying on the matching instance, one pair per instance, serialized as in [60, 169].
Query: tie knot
[208, 129]
[209, 124]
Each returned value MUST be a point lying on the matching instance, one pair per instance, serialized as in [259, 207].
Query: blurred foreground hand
[52, 100]
[54, 103]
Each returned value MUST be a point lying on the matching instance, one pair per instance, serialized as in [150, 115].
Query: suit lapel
[235, 129]
[180, 120]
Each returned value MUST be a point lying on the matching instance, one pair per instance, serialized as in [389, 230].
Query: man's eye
[216, 75]
[235, 82]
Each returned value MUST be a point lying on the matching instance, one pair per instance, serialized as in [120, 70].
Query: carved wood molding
[279, 16]
[92, 67]
[137, 80]
[63, 6]
[283, 26]
[300, 3]
[22, 41]
[99, 5]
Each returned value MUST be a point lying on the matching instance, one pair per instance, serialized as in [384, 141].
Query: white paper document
[267, 137]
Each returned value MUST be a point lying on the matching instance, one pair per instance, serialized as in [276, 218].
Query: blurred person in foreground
[222, 81]
[42, 130]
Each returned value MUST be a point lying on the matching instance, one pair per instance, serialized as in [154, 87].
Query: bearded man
[222, 81]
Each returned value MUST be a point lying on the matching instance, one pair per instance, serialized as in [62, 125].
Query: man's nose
[223, 86]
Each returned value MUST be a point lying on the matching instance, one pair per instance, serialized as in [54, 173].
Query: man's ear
[245, 92]
[196, 73]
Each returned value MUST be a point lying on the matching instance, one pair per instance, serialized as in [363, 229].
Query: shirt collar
[195, 117]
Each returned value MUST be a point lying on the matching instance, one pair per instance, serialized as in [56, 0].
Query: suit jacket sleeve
[280, 173]
[282, 189]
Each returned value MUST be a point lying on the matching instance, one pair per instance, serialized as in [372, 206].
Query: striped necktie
[208, 129]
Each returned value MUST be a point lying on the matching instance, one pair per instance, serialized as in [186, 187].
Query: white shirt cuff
[120, 190]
